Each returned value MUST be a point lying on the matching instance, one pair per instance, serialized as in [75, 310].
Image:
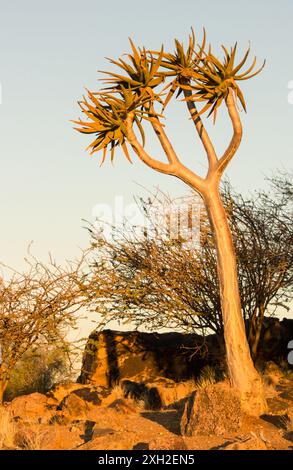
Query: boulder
[111, 356]
[214, 410]
[80, 401]
[61, 390]
[91, 396]
[74, 407]
[32, 408]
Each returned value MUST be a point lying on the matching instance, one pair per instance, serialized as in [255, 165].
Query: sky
[51, 51]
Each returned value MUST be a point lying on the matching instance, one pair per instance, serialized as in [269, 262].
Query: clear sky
[49, 51]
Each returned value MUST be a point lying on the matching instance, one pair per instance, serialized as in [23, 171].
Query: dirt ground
[161, 429]
[123, 424]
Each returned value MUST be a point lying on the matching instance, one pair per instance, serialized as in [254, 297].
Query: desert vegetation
[204, 363]
[37, 307]
[154, 282]
[40, 368]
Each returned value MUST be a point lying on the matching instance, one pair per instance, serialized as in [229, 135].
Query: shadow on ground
[279, 421]
[169, 419]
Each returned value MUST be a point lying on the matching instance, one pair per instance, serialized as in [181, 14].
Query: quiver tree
[132, 97]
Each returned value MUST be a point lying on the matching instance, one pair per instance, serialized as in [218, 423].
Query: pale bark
[2, 391]
[236, 138]
[201, 130]
[242, 373]
[3, 382]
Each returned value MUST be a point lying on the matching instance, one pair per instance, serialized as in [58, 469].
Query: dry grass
[29, 439]
[118, 395]
[7, 430]
[206, 378]
[288, 421]
[12, 437]
[170, 394]
[117, 392]
[269, 388]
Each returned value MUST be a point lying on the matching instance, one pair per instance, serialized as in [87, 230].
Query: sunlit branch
[237, 134]
[201, 130]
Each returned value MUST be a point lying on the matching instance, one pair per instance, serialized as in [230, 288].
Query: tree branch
[166, 168]
[203, 135]
[176, 168]
[237, 135]
[166, 144]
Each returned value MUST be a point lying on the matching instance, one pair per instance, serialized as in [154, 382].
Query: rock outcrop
[111, 356]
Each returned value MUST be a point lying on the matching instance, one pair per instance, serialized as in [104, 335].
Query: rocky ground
[83, 417]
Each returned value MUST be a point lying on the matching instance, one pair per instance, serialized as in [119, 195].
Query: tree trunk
[3, 386]
[3, 382]
[243, 374]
